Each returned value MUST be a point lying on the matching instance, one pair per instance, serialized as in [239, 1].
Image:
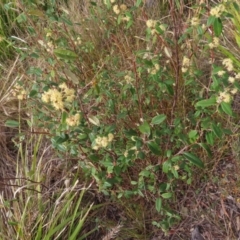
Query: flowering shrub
[135, 109]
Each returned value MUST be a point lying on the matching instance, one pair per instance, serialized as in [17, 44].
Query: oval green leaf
[211, 20]
[217, 27]
[65, 54]
[206, 148]
[12, 123]
[206, 102]
[158, 204]
[194, 159]
[145, 128]
[210, 138]
[33, 93]
[166, 195]
[138, 3]
[226, 107]
[158, 119]
[94, 120]
[154, 148]
[217, 130]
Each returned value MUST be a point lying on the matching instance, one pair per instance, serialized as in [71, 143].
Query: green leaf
[217, 27]
[141, 155]
[82, 136]
[65, 20]
[134, 183]
[94, 157]
[36, 12]
[145, 173]
[236, 6]
[158, 204]
[130, 133]
[206, 102]
[211, 20]
[166, 195]
[210, 138]
[226, 107]
[60, 139]
[154, 148]
[206, 148]
[192, 134]
[145, 128]
[194, 159]
[158, 119]
[65, 54]
[217, 130]
[21, 18]
[162, 187]
[61, 147]
[64, 117]
[175, 173]
[33, 93]
[12, 123]
[35, 71]
[166, 166]
[94, 120]
[138, 3]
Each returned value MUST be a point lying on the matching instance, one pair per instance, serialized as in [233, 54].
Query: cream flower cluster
[148, 54]
[185, 64]
[102, 142]
[151, 24]
[78, 41]
[234, 91]
[154, 69]
[237, 75]
[224, 96]
[228, 64]
[56, 97]
[128, 78]
[232, 80]
[221, 73]
[19, 92]
[73, 120]
[49, 46]
[195, 21]
[118, 9]
[217, 11]
[214, 43]
[69, 93]
[126, 18]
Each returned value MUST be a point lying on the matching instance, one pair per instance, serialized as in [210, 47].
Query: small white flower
[104, 142]
[231, 79]
[224, 97]
[234, 91]
[228, 63]
[116, 9]
[195, 21]
[110, 137]
[221, 73]
[237, 76]
[96, 147]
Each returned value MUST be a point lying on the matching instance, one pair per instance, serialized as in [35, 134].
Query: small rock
[196, 234]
